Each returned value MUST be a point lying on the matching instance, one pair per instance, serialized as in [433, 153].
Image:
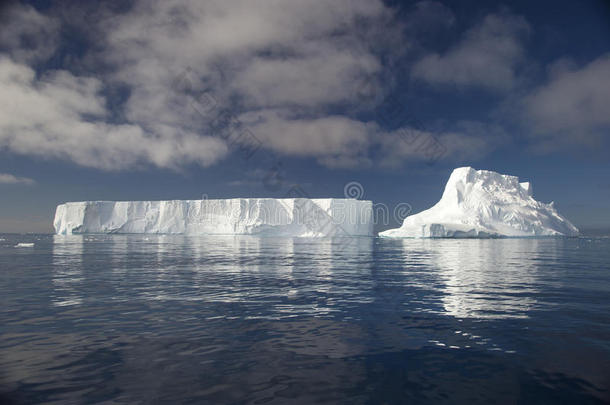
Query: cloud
[120, 106]
[290, 72]
[486, 57]
[466, 141]
[429, 16]
[6, 178]
[324, 77]
[56, 114]
[278, 66]
[330, 138]
[63, 116]
[27, 35]
[573, 106]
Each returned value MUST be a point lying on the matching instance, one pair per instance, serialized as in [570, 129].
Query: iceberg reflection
[482, 278]
[68, 270]
[263, 277]
[274, 278]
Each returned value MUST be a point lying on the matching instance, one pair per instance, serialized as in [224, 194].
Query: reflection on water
[243, 277]
[472, 278]
[153, 318]
[482, 278]
[67, 271]
[277, 273]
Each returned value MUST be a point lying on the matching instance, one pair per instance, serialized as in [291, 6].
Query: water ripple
[145, 318]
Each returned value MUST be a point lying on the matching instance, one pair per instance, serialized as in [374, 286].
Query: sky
[165, 99]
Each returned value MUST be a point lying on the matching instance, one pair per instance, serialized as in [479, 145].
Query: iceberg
[483, 203]
[24, 245]
[239, 216]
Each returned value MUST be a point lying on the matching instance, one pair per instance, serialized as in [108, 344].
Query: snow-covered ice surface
[238, 216]
[483, 203]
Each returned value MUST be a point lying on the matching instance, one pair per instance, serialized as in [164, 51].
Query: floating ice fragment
[24, 245]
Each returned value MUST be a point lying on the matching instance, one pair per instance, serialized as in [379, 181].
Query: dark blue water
[243, 320]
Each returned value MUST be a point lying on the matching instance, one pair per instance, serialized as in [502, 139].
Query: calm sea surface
[246, 320]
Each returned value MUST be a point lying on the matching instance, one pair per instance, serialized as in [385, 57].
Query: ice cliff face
[482, 203]
[245, 216]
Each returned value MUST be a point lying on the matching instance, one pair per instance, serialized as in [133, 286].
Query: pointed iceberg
[483, 203]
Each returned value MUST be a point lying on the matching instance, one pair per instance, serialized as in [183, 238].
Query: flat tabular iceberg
[482, 203]
[238, 216]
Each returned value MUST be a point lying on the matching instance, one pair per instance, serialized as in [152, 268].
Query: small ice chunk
[24, 245]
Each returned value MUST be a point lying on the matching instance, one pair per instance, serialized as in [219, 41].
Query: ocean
[247, 320]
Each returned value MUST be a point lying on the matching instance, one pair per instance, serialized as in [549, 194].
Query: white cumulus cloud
[573, 106]
[59, 115]
[487, 56]
[7, 178]
[249, 56]
[160, 78]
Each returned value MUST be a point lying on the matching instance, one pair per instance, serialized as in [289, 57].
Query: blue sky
[178, 99]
